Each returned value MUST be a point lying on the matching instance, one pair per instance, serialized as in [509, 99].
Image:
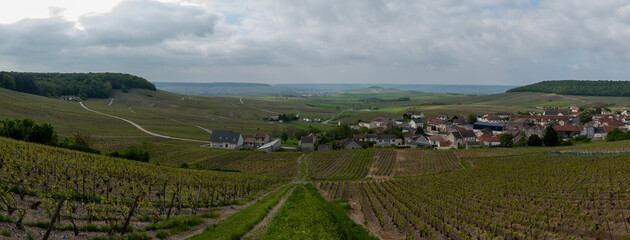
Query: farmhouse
[261, 139]
[226, 139]
[460, 137]
[307, 143]
[386, 140]
[249, 143]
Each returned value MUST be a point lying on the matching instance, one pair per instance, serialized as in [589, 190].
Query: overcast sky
[351, 41]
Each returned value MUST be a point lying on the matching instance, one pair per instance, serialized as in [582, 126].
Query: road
[141, 128]
[326, 122]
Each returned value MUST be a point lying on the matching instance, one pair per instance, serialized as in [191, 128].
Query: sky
[497, 42]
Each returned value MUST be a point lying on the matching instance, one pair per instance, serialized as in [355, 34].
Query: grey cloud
[147, 22]
[353, 41]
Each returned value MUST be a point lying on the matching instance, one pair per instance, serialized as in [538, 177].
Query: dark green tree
[550, 138]
[284, 136]
[534, 140]
[585, 117]
[507, 140]
[44, 134]
[471, 119]
[7, 81]
[419, 130]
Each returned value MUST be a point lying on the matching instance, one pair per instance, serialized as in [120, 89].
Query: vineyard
[103, 195]
[387, 163]
[538, 196]
[346, 164]
[283, 164]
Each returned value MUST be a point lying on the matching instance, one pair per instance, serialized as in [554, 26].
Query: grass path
[261, 228]
[140, 127]
[225, 212]
[240, 223]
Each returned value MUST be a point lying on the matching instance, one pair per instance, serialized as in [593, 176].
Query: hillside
[578, 87]
[84, 85]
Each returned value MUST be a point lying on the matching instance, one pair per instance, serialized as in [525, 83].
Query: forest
[579, 87]
[84, 85]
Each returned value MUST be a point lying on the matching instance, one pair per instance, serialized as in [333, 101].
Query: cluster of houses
[444, 132]
[225, 139]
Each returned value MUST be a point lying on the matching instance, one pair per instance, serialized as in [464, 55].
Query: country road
[332, 118]
[141, 128]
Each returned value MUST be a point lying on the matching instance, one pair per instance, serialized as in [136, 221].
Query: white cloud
[484, 41]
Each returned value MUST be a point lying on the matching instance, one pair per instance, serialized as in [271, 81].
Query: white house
[416, 123]
[226, 139]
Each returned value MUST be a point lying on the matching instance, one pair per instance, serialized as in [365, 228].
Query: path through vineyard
[140, 127]
[261, 228]
[227, 211]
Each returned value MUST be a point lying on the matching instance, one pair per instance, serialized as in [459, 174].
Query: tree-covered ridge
[578, 87]
[84, 85]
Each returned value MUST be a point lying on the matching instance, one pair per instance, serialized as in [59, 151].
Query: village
[447, 132]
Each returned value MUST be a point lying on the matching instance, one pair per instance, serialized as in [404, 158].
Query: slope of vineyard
[280, 164]
[380, 163]
[99, 192]
[535, 196]
[344, 164]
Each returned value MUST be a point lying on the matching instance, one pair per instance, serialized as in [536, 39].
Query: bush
[132, 153]
[5, 233]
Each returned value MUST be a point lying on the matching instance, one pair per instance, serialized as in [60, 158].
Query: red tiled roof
[436, 138]
[445, 143]
[260, 135]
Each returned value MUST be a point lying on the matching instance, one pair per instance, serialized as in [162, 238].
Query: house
[307, 143]
[460, 137]
[415, 114]
[415, 141]
[489, 125]
[445, 145]
[487, 140]
[442, 116]
[574, 109]
[436, 139]
[324, 147]
[349, 143]
[249, 143]
[271, 146]
[365, 137]
[261, 139]
[416, 123]
[599, 133]
[438, 125]
[226, 139]
[386, 140]
[568, 131]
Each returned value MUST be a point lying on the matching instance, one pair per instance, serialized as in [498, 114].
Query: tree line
[84, 85]
[29, 131]
[578, 87]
